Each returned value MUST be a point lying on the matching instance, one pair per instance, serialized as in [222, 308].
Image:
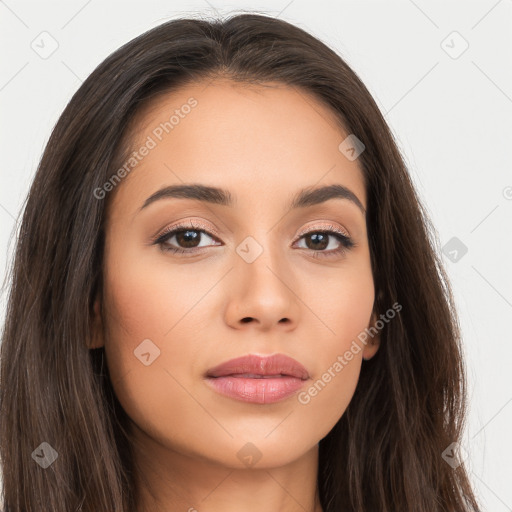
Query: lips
[257, 379]
[253, 366]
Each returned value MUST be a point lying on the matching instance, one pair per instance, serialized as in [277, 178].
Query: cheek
[340, 304]
[327, 396]
[147, 299]
[148, 309]
[343, 308]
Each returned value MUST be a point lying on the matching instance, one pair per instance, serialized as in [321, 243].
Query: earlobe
[97, 327]
[373, 340]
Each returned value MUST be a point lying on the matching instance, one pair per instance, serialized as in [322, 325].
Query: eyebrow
[305, 197]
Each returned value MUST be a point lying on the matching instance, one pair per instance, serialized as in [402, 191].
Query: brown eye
[188, 239]
[317, 241]
[184, 239]
[334, 241]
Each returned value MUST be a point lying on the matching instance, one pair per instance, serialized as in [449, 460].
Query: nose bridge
[263, 288]
[261, 259]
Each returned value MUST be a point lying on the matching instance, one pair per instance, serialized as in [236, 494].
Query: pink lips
[258, 379]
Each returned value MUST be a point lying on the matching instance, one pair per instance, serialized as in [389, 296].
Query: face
[250, 273]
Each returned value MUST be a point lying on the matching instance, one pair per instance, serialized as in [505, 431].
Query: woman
[231, 295]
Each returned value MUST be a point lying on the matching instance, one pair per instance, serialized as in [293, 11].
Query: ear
[373, 340]
[97, 340]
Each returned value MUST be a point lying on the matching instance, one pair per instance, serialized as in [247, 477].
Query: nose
[263, 294]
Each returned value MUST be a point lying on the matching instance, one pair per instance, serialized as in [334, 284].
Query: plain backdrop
[440, 72]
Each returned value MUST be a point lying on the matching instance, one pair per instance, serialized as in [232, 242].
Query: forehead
[264, 140]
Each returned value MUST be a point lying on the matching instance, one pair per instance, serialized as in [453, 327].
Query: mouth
[254, 376]
[258, 379]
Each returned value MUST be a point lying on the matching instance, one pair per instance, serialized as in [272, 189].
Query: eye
[318, 240]
[187, 237]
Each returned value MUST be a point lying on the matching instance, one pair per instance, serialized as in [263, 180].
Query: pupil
[318, 237]
[188, 237]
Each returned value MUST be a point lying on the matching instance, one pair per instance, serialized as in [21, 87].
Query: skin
[263, 144]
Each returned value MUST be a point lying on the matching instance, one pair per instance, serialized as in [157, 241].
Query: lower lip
[257, 391]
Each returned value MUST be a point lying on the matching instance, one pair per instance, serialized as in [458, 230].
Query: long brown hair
[385, 453]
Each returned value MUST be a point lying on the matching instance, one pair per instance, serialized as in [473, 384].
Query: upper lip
[276, 364]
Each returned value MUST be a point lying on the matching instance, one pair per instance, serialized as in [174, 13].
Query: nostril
[246, 319]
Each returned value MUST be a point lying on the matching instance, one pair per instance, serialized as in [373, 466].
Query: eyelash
[346, 242]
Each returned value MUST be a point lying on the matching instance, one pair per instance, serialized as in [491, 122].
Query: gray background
[449, 108]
